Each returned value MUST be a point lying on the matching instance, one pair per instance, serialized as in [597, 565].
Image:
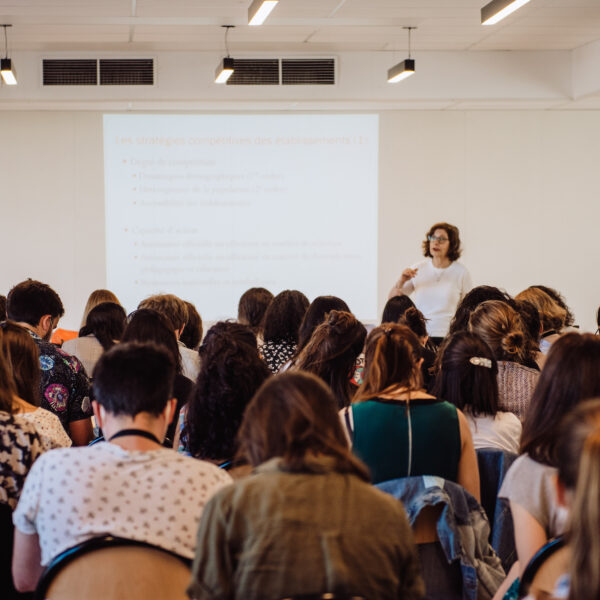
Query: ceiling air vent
[124, 71]
[70, 72]
[255, 72]
[308, 72]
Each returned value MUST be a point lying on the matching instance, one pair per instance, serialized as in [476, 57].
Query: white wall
[521, 185]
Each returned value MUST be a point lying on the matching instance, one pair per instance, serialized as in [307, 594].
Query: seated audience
[332, 351]
[175, 310]
[393, 421]
[192, 332]
[281, 324]
[20, 444]
[499, 325]
[230, 373]
[570, 375]
[472, 299]
[251, 309]
[129, 486]
[467, 379]
[23, 359]
[103, 328]
[395, 307]
[307, 521]
[64, 385]
[150, 326]
[552, 316]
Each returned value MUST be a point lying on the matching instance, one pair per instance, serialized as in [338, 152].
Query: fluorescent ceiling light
[259, 10]
[224, 70]
[401, 71]
[8, 71]
[498, 9]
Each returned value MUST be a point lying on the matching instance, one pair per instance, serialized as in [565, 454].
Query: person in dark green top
[396, 428]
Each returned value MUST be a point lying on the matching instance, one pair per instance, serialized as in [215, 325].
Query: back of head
[558, 298]
[132, 378]
[578, 462]
[413, 318]
[395, 307]
[552, 315]
[294, 416]
[149, 326]
[315, 315]
[530, 318]
[231, 371]
[392, 358]
[332, 351]
[571, 374]
[95, 298]
[170, 306]
[30, 300]
[284, 315]
[7, 385]
[467, 374]
[500, 326]
[192, 332]
[23, 355]
[106, 321]
[252, 307]
[472, 299]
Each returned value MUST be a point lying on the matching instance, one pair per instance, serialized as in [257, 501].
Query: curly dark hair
[284, 315]
[231, 372]
[454, 249]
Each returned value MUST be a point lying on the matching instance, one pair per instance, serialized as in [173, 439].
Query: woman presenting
[438, 283]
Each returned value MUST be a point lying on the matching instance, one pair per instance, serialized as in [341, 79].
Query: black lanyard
[138, 432]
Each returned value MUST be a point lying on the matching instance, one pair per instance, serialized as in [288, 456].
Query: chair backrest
[110, 568]
[493, 465]
[547, 565]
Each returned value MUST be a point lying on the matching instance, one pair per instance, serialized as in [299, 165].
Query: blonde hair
[500, 326]
[97, 297]
[170, 306]
[552, 315]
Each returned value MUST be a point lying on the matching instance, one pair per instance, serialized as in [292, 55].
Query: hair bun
[512, 343]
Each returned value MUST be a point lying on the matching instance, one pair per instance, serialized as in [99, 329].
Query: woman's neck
[22, 406]
[441, 262]
[405, 393]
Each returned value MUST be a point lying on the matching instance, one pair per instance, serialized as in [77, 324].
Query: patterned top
[49, 428]
[75, 494]
[276, 354]
[64, 385]
[19, 447]
[515, 387]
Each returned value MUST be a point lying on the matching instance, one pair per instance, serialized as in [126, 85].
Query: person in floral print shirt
[65, 387]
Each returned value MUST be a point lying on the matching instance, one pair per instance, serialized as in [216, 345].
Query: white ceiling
[295, 25]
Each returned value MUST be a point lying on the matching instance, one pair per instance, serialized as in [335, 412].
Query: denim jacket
[462, 528]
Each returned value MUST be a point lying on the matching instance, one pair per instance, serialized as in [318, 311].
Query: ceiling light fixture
[226, 66]
[259, 10]
[7, 71]
[496, 10]
[403, 69]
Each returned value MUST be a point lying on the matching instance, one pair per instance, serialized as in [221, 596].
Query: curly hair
[332, 351]
[454, 249]
[552, 315]
[284, 315]
[231, 372]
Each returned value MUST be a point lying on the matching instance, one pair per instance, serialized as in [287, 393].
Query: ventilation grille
[127, 72]
[308, 72]
[255, 72]
[70, 72]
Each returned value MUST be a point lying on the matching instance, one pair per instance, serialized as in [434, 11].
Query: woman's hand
[407, 275]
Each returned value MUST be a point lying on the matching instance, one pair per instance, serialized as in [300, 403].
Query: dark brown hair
[500, 326]
[106, 321]
[7, 384]
[283, 317]
[192, 332]
[315, 315]
[571, 374]
[252, 306]
[552, 315]
[413, 318]
[472, 299]
[578, 456]
[454, 249]
[23, 355]
[395, 307]
[294, 416]
[332, 351]
[392, 359]
[472, 388]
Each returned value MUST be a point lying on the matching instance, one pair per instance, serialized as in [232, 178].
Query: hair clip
[481, 362]
[387, 330]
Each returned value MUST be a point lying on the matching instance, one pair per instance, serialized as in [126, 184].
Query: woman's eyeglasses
[433, 238]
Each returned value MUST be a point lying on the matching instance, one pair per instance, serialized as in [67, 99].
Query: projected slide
[206, 206]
